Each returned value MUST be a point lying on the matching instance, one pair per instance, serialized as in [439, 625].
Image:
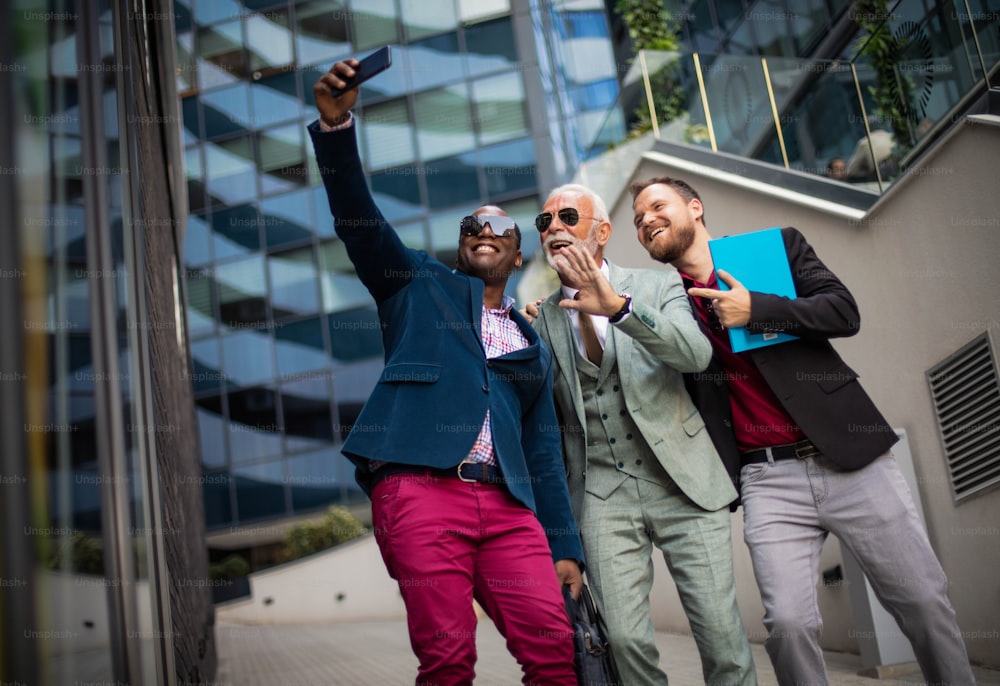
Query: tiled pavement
[378, 654]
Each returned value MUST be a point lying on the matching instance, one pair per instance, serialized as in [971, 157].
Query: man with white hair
[642, 469]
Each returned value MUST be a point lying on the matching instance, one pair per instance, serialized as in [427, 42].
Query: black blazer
[814, 385]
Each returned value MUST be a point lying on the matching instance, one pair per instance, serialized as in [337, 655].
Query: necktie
[591, 345]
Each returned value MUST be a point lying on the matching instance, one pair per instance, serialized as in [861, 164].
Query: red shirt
[759, 420]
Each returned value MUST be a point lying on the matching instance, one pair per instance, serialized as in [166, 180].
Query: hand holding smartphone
[373, 64]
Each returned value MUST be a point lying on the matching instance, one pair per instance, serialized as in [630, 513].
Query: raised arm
[383, 263]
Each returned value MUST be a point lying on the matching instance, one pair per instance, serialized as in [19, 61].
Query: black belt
[464, 471]
[796, 451]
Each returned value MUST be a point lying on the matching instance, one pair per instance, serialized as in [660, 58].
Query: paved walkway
[378, 654]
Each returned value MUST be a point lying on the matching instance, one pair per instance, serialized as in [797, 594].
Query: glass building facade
[481, 105]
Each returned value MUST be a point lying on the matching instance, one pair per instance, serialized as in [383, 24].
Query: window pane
[293, 283]
[321, 31]
[374, 23]
[226, 112]
[218, 499]
[315, 479]
[212, 434]
[490, 46]
[200, 312]
[235, 231]
[453, 181]
[386, 130]
[339, 285]
[206, 374]
[435, 61]
[281, 159]
[474, 10]
[221, 46]
[260, 490]
[510, 167]
[269, 39]
[422, 18]
[444, 122]
[230, 170]
[208, 11]
[248, 358]
[306, 404]
[197, 241]
[253, 426]
[397, 192]
[275, 99]
[241, 288]
[287, 218]
[500, 111]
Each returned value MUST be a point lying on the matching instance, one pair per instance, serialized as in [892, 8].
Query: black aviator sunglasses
[569, 216]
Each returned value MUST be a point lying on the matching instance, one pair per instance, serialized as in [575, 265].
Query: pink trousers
[446, 542]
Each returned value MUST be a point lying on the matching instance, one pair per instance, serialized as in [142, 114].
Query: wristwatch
[626, 308]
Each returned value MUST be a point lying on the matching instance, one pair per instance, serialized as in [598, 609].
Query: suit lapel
[617, 346]
[563, 344]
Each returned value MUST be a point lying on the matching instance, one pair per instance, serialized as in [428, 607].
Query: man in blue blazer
[458, 445]
[809, 449]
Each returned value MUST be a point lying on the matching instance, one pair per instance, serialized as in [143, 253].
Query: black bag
[592, 655]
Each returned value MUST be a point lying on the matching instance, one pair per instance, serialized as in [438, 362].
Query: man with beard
[811, 450]
[642, 470]
[458, 444]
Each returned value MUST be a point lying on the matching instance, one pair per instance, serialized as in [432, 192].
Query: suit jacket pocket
[410, 372]
[836, 378]
[694, 424]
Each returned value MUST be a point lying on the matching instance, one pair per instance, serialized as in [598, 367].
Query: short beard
[589, 244]
[681, 240]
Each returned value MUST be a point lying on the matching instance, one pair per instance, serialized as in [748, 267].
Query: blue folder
[757, 260]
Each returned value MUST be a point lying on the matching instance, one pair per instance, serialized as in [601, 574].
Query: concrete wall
[923, 266]
[346, 583]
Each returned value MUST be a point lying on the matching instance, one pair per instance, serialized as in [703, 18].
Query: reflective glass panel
[510, 167]
[287, 218]
[241, 293]
[315, 479]
[374, 23]
[321, 31]
[194, 171]
[453, 181]
[281, 159]
[444, 122]
[216, 491]
[200, 313]
[305, 401]
[300, 347]
[209, 11]
[434, 61]
[490, 46]
[222, 46]
[275, 99]
[212, 435]
[500, 108]
[269, 39]
[197, 241]
[226, 111]
[260, 490]
[476, 10]
[421, 18]
[235, 231]
[397, 192]
[387, 130]
[206, 364]
[293, 283]
[230, 168]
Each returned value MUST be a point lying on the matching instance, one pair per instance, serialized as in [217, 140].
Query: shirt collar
[506, 303]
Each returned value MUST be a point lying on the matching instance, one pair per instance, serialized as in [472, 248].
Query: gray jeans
[789, 508]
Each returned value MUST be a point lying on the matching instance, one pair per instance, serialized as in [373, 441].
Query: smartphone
[375, 63]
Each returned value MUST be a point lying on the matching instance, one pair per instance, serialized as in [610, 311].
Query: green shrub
[81, 553]
[231, 567]
[338, 526]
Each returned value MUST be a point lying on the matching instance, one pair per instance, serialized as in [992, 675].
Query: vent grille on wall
[966, 396]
